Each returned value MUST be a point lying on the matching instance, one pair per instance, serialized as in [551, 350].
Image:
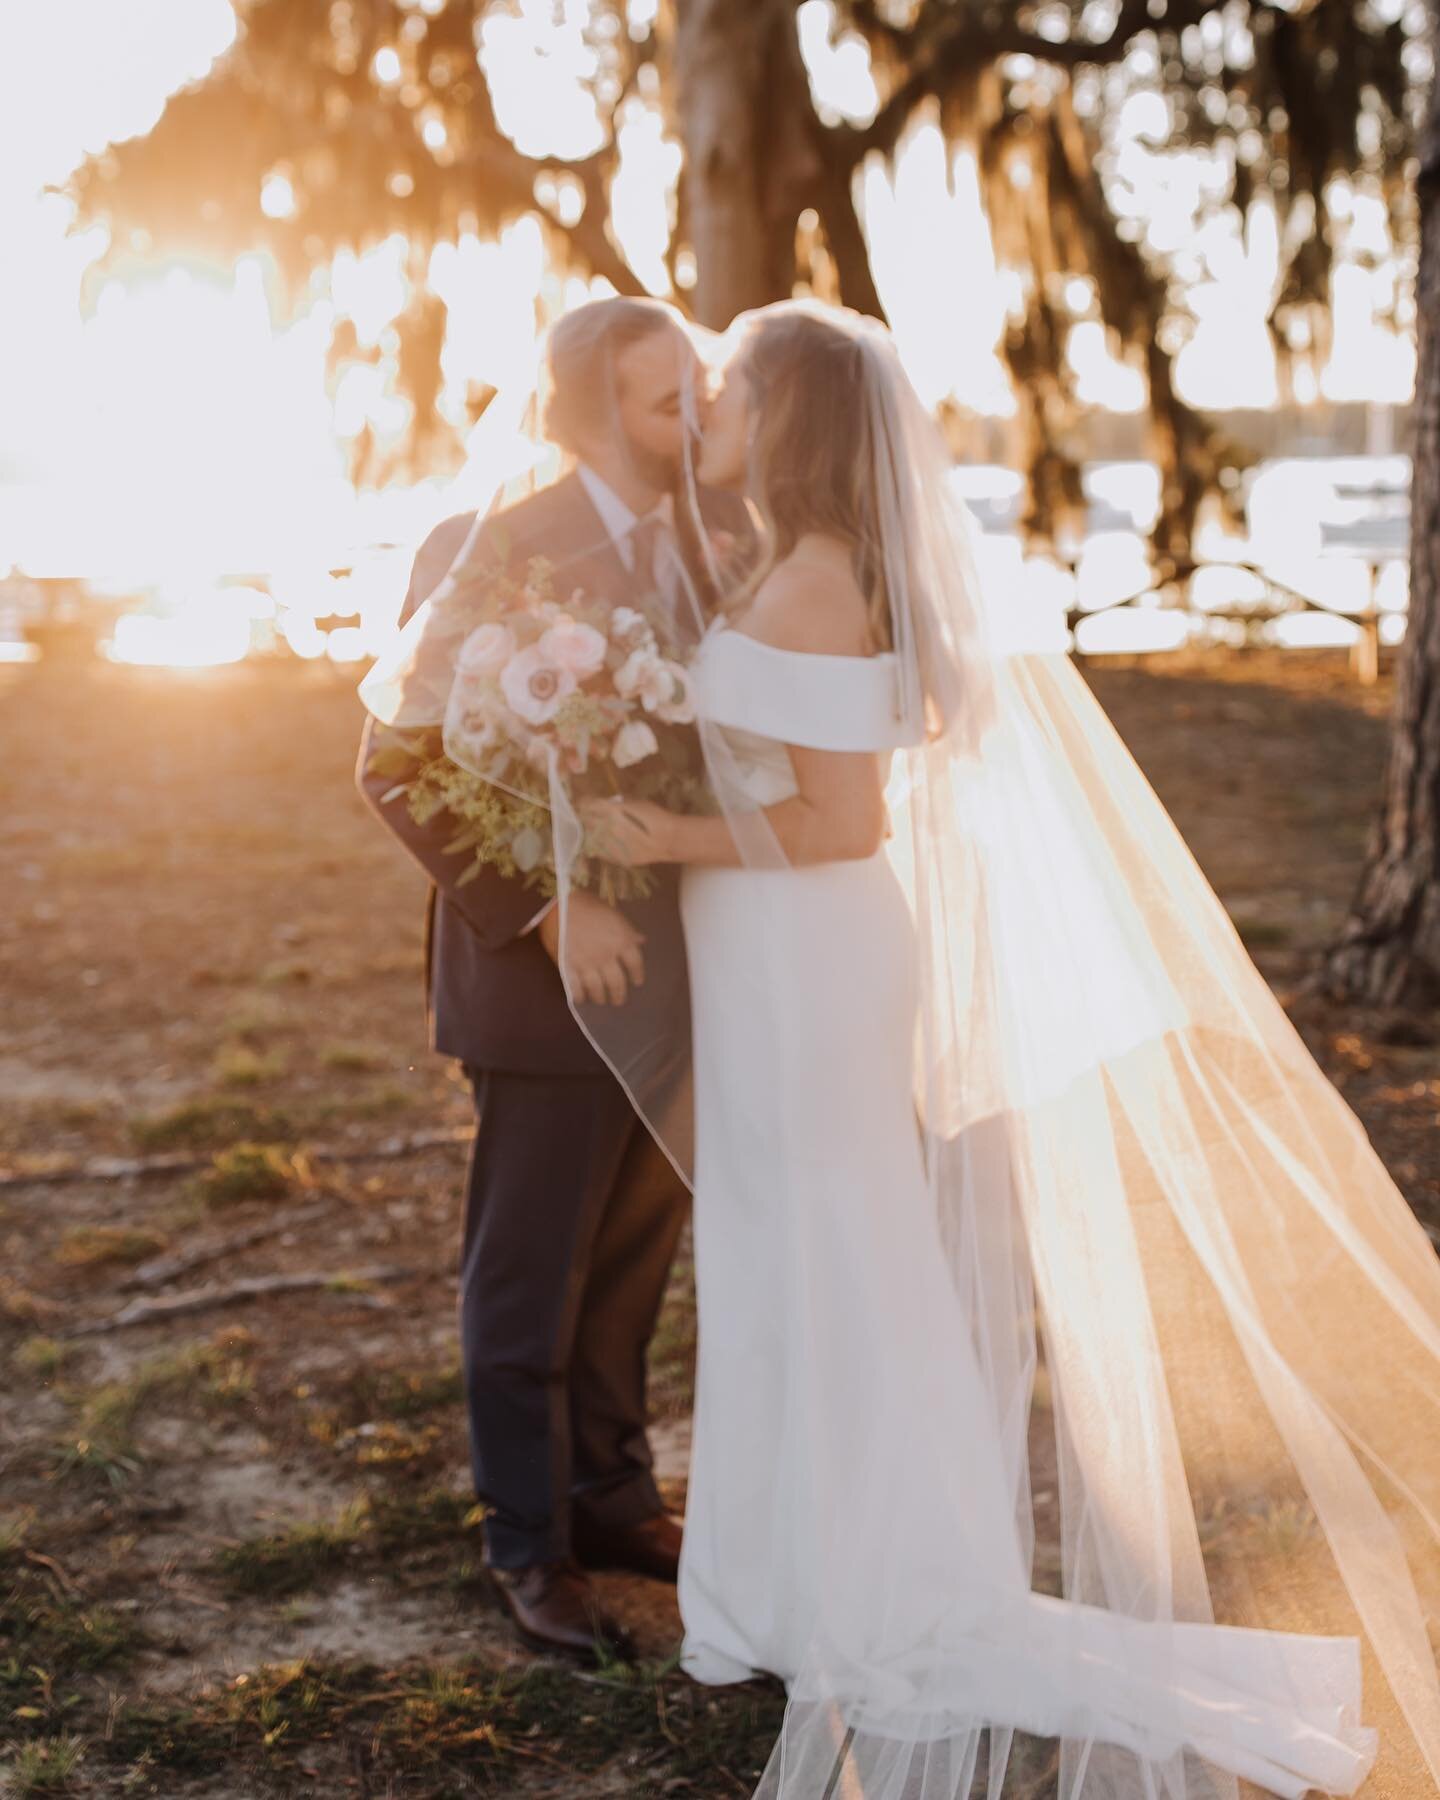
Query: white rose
[643, 676]
[626, 623]
[487, 649]
[633, 744]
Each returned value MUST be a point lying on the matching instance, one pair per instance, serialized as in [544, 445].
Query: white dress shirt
[617, 518]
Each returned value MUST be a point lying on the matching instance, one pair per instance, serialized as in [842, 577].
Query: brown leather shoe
[554, 1607]
[647, 1547]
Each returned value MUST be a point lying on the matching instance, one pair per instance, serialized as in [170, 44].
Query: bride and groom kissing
[934, 1018]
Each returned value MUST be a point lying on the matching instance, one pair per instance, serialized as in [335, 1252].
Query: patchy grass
[41, 1356]
[438, 1515]
[88, 1465]
[404, 1393]
[207, 1123]
[285, 1561]
[287, 971]
[376, 1103]
[432, 1722]
[207, 1374]
[43, 1766]
[62, 1635]
[1288, 1526]
[256, 1018]
[19, 1305]
[354, 1059]
[299, 928]
[53, 1635]
[51, 1117]
[84, 1245]
[249, 1172]
[15, 1530]
[240, 1065]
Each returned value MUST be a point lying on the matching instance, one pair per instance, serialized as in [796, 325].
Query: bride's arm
[838, 811]
[837, 816]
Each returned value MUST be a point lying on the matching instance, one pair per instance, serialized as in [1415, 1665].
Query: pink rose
[535, 687]
[578, 648]
[487, 649]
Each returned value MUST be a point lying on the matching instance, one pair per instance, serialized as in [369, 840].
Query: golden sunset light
[182, 408]
[720, 973]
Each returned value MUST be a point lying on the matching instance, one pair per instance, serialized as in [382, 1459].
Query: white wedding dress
[829, 1324]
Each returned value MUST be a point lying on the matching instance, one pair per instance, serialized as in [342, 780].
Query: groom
[572, 1212]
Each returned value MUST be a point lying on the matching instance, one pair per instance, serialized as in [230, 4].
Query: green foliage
[355, 1059]
[256, 1018]
[41, 1356]
[248, 1171]
[94, 1464]
[206, 1122]
[43, 1766]
[14, 1531]
[287, 971]
[211, 1373]
[83, 1245]
[237, 1065]
[289, 1560]
[426, 1721]
[492, 824]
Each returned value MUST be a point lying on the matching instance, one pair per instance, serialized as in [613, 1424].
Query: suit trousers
[572, 1217]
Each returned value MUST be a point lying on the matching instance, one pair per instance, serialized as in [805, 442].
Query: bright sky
[178, 414]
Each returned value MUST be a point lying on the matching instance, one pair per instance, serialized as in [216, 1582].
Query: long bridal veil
[1192, 1290]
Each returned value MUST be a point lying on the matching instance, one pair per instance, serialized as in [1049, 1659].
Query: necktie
[659, 576]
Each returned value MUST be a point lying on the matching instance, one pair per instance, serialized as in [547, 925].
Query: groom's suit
[572, 1212]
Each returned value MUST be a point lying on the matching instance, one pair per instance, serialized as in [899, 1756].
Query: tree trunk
[741, 106]
[1389, 951]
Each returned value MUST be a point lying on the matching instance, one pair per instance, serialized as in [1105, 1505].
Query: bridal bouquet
[579, 685]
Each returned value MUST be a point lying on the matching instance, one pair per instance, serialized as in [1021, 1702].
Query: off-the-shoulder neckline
[723, 628]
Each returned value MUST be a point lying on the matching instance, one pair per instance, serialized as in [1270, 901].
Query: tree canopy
[381, 117]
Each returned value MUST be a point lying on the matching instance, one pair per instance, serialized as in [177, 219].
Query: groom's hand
[603, 959]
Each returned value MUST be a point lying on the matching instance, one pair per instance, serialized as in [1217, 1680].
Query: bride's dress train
[849, 1502]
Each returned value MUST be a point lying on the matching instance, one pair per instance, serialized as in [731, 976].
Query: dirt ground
[237, 1552]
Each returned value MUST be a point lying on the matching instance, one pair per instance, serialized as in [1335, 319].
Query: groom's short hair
[580, 358]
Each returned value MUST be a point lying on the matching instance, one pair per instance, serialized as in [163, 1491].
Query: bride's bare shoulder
[811, 603]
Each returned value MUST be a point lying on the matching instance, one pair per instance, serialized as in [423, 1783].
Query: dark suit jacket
[496, 1000]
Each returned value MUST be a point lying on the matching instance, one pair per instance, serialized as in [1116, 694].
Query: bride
[979, 1062]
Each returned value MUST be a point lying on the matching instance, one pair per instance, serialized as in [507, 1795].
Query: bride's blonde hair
[810, 461]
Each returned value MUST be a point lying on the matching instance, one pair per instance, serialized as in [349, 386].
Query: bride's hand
[629, 832]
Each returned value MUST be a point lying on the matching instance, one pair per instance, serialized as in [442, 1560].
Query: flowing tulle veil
[1137, 1170]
